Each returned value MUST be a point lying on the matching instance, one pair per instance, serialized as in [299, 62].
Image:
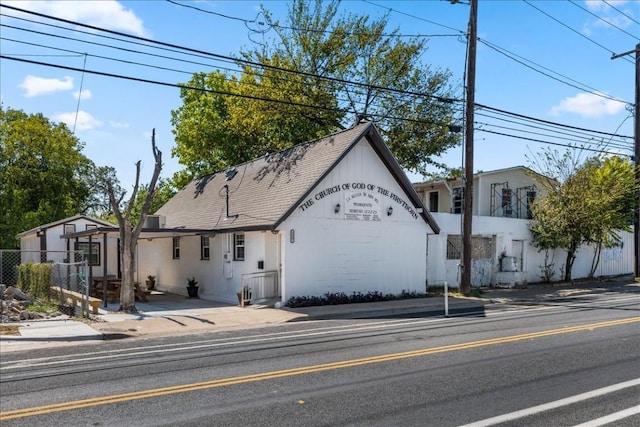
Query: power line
[237, 60]
[460, 32]
[572, 29]
[174, 85]
[555, 136]
[548, 142]
[587, 137]
[284, 27]
[511, 55]
[620, 12]
[603, 20]
[547, 121]
[77, 53]
[232, 94]
[181, 86]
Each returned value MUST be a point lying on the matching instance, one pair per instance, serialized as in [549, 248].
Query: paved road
[558, 363]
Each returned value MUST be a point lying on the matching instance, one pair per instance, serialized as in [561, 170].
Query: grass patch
[43, 306]
[9, 330]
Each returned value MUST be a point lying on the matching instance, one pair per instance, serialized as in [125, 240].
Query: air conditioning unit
[155, 221]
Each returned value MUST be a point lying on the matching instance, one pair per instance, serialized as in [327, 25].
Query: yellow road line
[163, 391]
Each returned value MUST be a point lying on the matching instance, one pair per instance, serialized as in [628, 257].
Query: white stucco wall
[482, 194]
[509, 232]
[156, 258]
[56, 247]
[343, 251]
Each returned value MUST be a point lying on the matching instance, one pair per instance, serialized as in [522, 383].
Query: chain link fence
[10, 261]
[23, 269]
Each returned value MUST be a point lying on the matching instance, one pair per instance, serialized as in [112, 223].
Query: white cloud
[607, 11]
[599, 5]
[588, 105]
[35, 86]
[86, 94]
[84, 121]
[118, 125]
[108, 14]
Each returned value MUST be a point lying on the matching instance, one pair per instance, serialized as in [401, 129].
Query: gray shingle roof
[265, 191]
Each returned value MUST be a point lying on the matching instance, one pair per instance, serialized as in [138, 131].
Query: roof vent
[230, 173]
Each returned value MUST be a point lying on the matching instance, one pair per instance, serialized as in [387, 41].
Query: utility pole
[467, 209]
[636, 158]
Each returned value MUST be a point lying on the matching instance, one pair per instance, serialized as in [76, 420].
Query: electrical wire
[237, 60]
[548, 142]
[572, 29]
[603, 20]
[292, 103]
[584, 87]
[408, 95]
[284, 27]
[620, 12]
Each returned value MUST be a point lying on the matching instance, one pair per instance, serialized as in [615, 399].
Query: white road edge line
[611, 417]
[553, 405]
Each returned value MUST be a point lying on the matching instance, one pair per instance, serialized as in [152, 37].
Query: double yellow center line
[163, 391]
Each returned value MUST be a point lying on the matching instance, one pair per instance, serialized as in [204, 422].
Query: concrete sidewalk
[167, 314]
[173, 314]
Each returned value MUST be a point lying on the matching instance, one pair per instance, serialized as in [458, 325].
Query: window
[83, 248]
[454, 246]
[90, 227]
[69, 228]
[204, 247]
[507, 209]
[531, 198]
[457, 200]
[238, 247]
[176, 248]
[481, 247]
[433, 201]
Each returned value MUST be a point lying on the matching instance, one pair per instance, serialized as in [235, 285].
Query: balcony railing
[263, 284]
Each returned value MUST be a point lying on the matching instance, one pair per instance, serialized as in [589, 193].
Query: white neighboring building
[334, 215]
[45, 244]
[502, 250]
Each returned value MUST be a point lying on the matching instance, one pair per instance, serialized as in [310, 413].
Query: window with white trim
[204, 247]
[238, 247]
[83, 248]
[456, 201]
[176, 248]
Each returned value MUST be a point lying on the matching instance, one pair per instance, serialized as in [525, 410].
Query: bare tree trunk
[596, 260]
[127, 293]
[571, 256]
[128, 233]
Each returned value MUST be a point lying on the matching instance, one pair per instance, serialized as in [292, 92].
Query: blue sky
[562, 40]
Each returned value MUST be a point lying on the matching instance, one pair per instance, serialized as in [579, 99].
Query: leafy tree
[130, 223]
[591, 203]
[43, 174]
[344, 69]
[407, 99]
[613, 192]
[214, 130]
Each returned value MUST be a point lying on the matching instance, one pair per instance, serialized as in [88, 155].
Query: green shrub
[24, 277]
[335, 298]
[35, 279]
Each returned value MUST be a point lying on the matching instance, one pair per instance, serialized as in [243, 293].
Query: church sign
[362, 201]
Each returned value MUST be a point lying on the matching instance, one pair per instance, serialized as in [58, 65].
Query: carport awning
[146, 233]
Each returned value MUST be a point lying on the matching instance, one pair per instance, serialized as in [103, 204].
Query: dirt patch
[9, 330]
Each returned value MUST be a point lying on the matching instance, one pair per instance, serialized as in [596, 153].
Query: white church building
[333, 215]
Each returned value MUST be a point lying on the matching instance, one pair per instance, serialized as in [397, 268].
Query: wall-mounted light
[390, 211]
[337, 208]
